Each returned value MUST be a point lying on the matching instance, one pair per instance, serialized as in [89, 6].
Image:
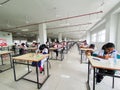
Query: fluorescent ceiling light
[24, 29]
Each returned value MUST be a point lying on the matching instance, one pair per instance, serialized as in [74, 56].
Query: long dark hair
[43, 46]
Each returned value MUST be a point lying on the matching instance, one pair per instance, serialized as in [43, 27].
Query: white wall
[7, 36]
[112, 26]
[98, 45]
[118, 34]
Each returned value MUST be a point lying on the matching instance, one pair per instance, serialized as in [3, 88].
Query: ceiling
[72, 18]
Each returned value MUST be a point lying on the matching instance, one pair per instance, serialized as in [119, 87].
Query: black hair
[42, 47]
[57, 41]
[23, 44]
[92, 46]
[104, 47]
[110, 45]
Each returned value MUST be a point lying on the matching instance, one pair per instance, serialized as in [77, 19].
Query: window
[101, 36]
[93, 38]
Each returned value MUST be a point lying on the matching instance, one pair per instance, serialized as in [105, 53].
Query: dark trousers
[99, 76]
[56, 51]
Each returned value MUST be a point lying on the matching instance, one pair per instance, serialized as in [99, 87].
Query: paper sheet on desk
[98, 59]
[99, 62]
[39, 56]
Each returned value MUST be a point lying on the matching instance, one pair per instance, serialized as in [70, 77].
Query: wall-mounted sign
[3, 42]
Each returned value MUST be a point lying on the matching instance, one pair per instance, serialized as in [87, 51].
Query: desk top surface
[52, 48]
[31, 48]
[102, 63]
[5, 52]
[31, 57]
[85, 49]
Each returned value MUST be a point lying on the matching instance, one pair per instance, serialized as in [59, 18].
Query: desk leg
[14, 70]
[51, 52]
[62, 57]
[10, 60]
[28, 66]
[88, 70]
[93, 78]
[113, 82]
[88, 85]
[2, 59]
[38, 85]
[81, 55]
[47, 69]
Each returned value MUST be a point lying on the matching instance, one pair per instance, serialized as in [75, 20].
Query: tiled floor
[68, 74]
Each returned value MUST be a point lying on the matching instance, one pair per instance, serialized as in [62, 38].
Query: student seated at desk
[22, 49]
[108, 51]
[44, 50]
[58, 47]
[90, 52]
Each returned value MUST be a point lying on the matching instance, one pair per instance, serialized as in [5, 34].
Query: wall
[7, 36]
[97, 29]
[112, 25]
[118, 35]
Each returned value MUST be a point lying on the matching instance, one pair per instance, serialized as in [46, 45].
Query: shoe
[99, 78]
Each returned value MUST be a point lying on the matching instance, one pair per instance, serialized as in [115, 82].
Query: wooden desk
[30, 57]
[103, 64]
[1, 55]
[61, 53]
[31, 49]
[52, 49]
[82, 51]
[5, 48]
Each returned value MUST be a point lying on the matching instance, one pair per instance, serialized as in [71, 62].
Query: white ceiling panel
[17, 15]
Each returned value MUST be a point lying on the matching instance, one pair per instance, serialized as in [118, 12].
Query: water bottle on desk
[115, 60]
[114, 55]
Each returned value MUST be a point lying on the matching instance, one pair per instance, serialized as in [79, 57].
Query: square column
[42, 37]
[60, 37]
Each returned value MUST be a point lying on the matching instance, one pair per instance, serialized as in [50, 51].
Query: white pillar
[55, 40]
[49, 40]
[65, 39]
[88, 37]
[42, 34]
[38, 39]
[60, 37]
